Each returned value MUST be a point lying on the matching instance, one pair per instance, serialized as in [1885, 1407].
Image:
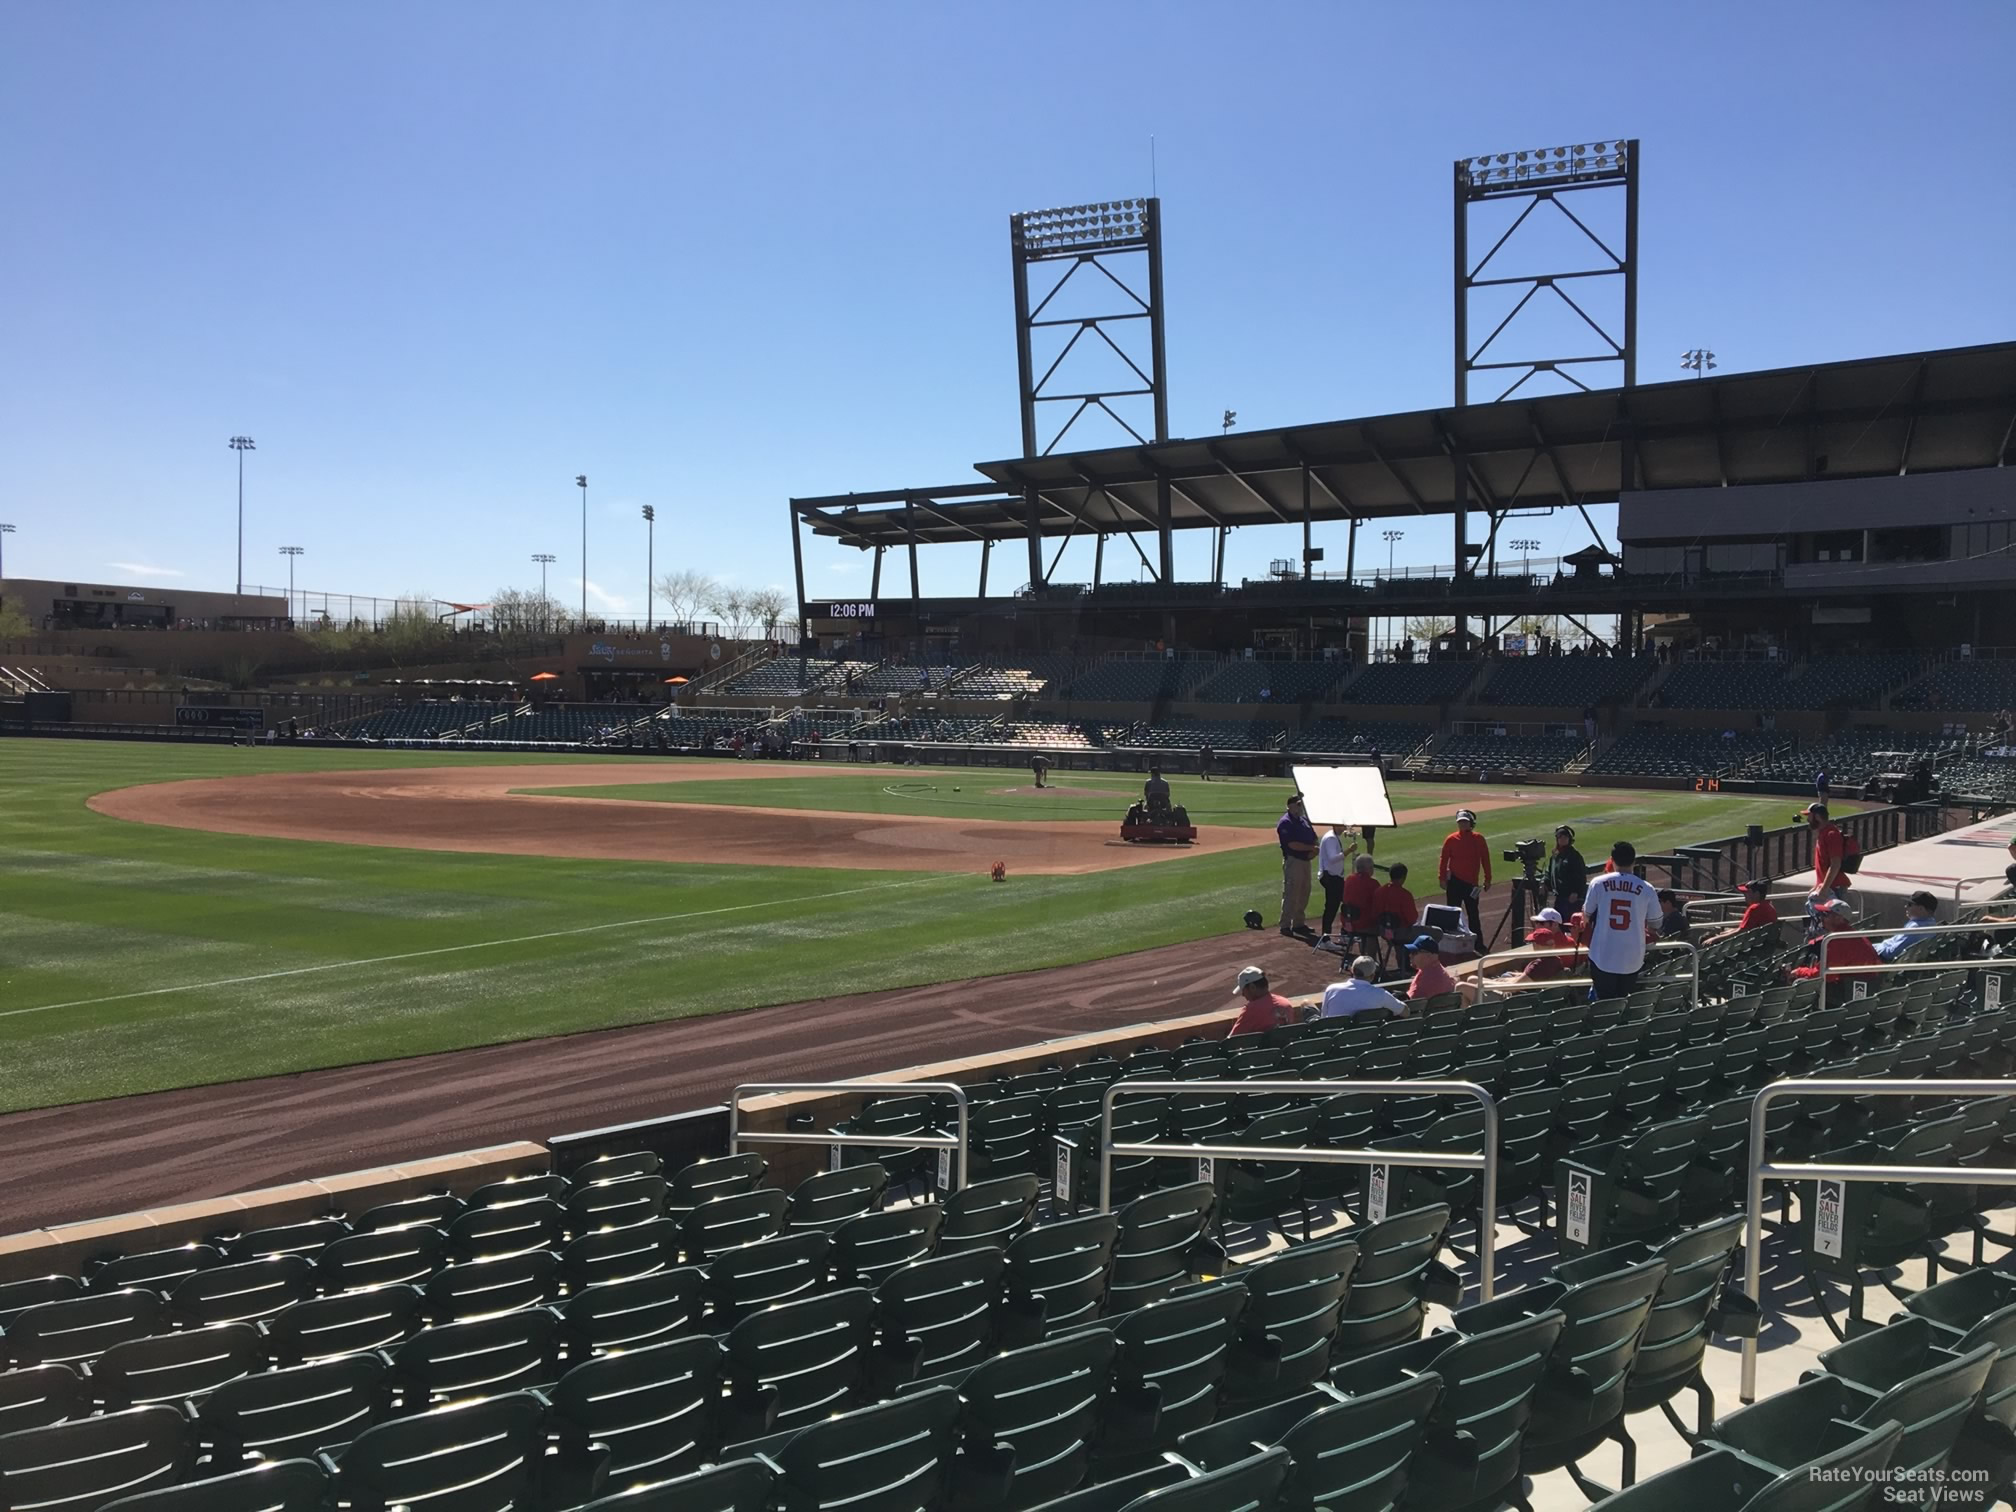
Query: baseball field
[173, 916]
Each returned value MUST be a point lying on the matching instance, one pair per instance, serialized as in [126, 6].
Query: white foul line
[414, 955]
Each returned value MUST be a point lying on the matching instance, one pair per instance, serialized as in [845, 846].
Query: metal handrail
[956, 1143]
[1486, 1162]
[1965, 882]
[1718, 900]
[1504, 986]
[1759, 1169]
[1889, 966]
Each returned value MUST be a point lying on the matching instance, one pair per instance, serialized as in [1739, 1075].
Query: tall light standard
[545, 559]
[241, 445]
[581, 482]
[1389, 537]
[291, 552]
[5, 531]
[1525, 550]
[650, 544]
[1700, 361]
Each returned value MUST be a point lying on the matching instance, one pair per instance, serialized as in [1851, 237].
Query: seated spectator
[1360, 993]
[1260, 1007]
[1672, 916]
[1431, 977]
[1920, 913]
[1394, 911]
[1758, 913]
[1835, 916]
[1548, 934]
[1359, 899]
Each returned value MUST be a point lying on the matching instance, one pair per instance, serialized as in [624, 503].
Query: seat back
[480, 1456]
[750, 1277]
[1352, 1454]
[479, 1288]
[380, 1257]
[1675, 1341]
[1251, 1485]
[728, 1176]
[1156, 1244]
[298, 1410]
[615, 1202]
[540, 1186]
[305, 1238]
[813, 1351]
[1043, 1402]
[988, 1212]
[508, 1228]
[436, 1210]
[174, 1367]
[617, 1254]
[1593, 1356]
[654, 1408]
[1004, 1137]
[830, 1198]
[1297, 1297]
[481, 1356]
[244, 1292]
[80, 1328]
[742, 1485]
[154, 1270]
[721, 1223]
[1258, 1191]
[80, 1465]
[1178, 1350]
[1934, 1407]
[636, 1312]
[1059, 1271]
[868, 1248]
[1848, 1480]
[945, 1306]
[1392, 1283]
[17, 1296]
[615, 1167]
[896, 1456]
[34, 1396]
[282, 1486]
[377, 1318]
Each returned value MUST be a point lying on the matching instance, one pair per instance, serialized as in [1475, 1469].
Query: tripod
[1524, 890]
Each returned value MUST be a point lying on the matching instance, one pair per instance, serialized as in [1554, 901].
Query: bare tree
[686, 593]
[766, 607]
[522, 611]
[1429, 627]
[728, 604]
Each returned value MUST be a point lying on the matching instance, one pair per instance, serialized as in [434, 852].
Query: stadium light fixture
[650, 541]
[1389, 537]
[1230, 417]
[581, 482]
[1525, 548]
[545, 559]
[1700, 361]
[241, 445]
[1081, 228]
[5, 531]
[290, 552]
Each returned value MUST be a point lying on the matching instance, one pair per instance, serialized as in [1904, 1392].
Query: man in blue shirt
[1298, 848]
[1921, 911]
[1360, 993]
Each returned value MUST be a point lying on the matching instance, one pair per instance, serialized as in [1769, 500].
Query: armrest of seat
[1790, 1423]
[1720, 1477]
[1516, 1307]
[1736, 1314]
[1885, 1357]
[984, 1473]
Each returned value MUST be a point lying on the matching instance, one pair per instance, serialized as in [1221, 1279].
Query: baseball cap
[1549, 916]
[1250, 976]
[1815, 808]
[1424, 942]
[1294, 797]
[1835, 908]
[1462, 814]
[1759, 888]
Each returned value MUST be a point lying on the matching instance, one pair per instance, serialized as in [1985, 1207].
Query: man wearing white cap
[1260, 1007]
[1836, 916]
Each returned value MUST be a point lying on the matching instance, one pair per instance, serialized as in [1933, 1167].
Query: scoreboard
[862, 609]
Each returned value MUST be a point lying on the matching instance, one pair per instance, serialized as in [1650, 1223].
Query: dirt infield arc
[477, 809]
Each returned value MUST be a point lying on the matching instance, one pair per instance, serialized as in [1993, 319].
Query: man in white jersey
[1623, 910]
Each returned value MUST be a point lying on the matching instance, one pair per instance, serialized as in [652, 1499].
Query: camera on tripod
[1527, 853]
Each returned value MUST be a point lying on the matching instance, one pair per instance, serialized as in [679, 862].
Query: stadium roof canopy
[1876, 416]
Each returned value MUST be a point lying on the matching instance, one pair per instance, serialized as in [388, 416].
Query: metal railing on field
[952, 1145]
[1486, 1161]
[1759, 1170]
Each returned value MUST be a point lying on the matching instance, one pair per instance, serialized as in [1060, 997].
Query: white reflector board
[1344, 794]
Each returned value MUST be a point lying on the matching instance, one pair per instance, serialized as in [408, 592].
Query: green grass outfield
[135, 958]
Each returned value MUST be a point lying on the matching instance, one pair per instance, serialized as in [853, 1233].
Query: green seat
[34, 1396]
[1879, 1224]
[704, 1180]
[893, 1117]
[80, 1328]
[1350, 1455]
[1407, 1187]
[615, 1202]
[636, 1312]
[751, 1277]
[244, 1292]
[480, 1456]
[1296, 1299]
[175, 1367]
[508, 1228]
[655, 1409]
[1526, 1141]
[81, 1465]
[735, 1486]
[1397, 1275]
[1934, 1408]
[615, 1167]
[896, 1456]
[722, 1223]
[306, 1238]
[1909, 1347]
[867, 1249]
[988, 1213]
[1847, 1480]
[434, 1210]
[1579, 1401]
[1057, 1275]
[1043, 1402]
[154, 1270]
[1469, 1454]
[1631, 1189]
[1260, 1191]
[18, 1296]
[297, 1410]
[830, 1198]
[481, 1357]
[1251, 1485]
[1347, 1121]
[540, 1186]
[944, 1307]
[1977, 1307]
[1160, 1245]
[618, 1254]
[1005, 1138]
[1697, 1299]
[478, 1288]
[1173, 1361]
[381, 1257]
[809, 1356]
[376, 1318]
[279, 1486]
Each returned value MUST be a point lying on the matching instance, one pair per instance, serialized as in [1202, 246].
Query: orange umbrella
[675, 680]
[545, 677]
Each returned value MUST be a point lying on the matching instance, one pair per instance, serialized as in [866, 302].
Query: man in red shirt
[1394, 911]
[1830, 849]
[1260, 1008]
[1758, 913]
[1360, 900]
[1465, 868]
[1836, 916]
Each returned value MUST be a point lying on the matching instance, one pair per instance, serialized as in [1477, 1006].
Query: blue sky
[439, 258]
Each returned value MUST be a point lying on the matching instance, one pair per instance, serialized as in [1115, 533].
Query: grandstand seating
[1849, 756]
[1408, 683]
[561, 1341]
[1987, 776]
[792, 677]
[1564, 681]
[1194, 734]
[1650, 752]
[1394, 742]
[1284, 682]
[1502, 753]
[1045, 732]
[1140, 680]
[1971, 685]
[427, 720]
[1820, 682]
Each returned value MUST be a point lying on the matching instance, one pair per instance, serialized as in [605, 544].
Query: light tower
[581, 482]
[290, 552]
[241, 445]
[650, 541]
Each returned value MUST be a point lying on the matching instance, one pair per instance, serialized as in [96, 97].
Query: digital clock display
[844, 611]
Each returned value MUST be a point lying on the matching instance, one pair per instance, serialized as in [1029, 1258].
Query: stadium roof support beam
[1568, 491]
[1911, 424]
[1211, 450]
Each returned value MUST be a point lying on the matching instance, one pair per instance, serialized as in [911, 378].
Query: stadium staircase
[720, 676]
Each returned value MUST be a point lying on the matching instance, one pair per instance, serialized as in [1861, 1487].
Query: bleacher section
[1195, 734]
[1849, 757]
[1821, 682]
[1565, 681]
[1971, 685]
[1139, 680]
[1394, 742]
[792, 677]
[1409, 683]
[1276, 1337]
[1502, 753]
[427, 720]
[1984, 776]
[1044, 732]
[1647, 752]
[1283, 682]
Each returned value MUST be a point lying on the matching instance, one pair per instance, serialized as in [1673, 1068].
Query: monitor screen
[1441, 916]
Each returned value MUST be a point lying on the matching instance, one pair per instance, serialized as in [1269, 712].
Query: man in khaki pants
[1298, 849]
